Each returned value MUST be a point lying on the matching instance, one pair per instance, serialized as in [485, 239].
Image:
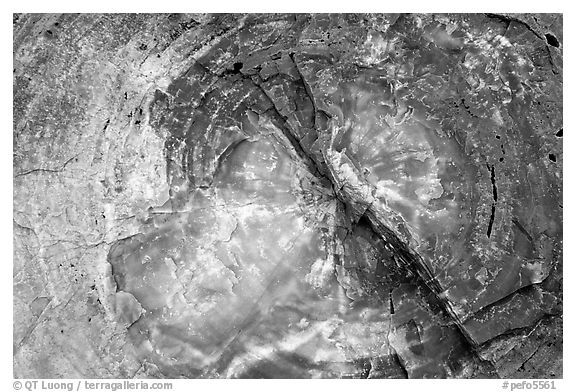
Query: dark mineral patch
[288, 196]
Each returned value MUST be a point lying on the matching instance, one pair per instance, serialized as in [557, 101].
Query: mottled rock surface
[288, 196]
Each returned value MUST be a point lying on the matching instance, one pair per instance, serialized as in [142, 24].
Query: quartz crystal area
[287, 196]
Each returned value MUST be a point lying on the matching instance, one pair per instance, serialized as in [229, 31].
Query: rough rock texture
[366, 196]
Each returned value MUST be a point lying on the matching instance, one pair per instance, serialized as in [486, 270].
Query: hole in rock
[237, 67]
[552, 157]
[560, 133]
[552, 40]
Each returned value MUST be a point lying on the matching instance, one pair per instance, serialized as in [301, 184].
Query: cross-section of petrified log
[288, 196]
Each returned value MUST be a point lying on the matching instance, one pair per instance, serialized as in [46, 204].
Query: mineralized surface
[287, 196]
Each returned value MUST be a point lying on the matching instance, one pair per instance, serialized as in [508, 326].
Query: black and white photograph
[299, 195]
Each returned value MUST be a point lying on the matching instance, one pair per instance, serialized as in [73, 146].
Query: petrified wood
[315, 195]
